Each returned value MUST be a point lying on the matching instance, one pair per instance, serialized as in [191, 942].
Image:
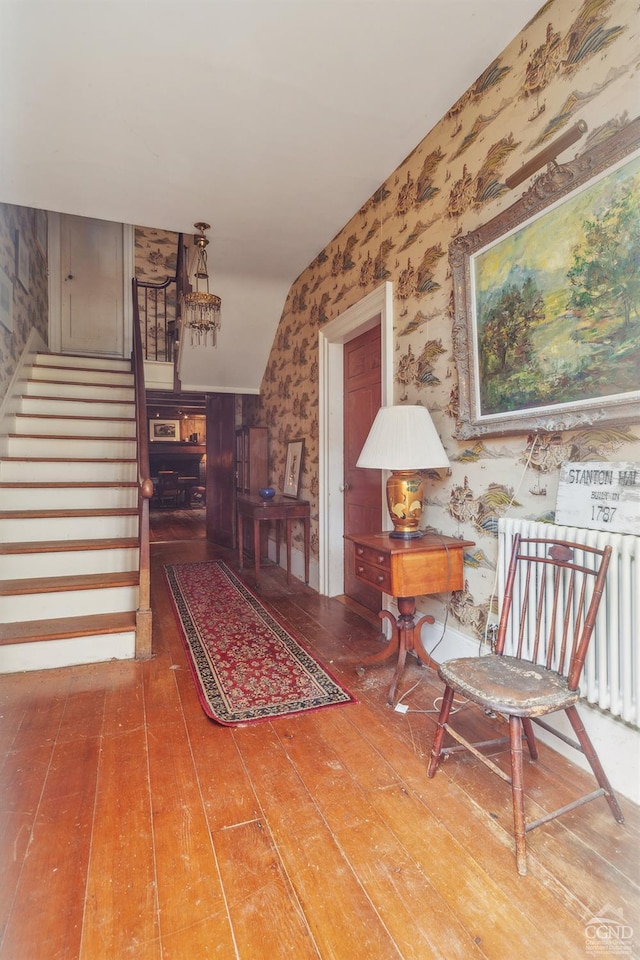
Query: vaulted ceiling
[273, 120]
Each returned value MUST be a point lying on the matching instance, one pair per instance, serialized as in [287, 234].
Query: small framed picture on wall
[165, 430]
[291, 484]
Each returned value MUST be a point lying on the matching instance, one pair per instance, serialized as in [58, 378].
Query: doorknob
[344, 487]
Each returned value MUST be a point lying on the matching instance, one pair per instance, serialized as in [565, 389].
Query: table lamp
[404, 440]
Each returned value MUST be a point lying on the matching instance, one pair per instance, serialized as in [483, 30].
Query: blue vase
[267, 493]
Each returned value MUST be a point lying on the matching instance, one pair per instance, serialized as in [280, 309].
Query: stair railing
[144, 620]
[158, 306]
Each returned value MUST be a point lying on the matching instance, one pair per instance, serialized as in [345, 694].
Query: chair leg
[517, 793]
[438, 739]
[594, 761]
[527, 726]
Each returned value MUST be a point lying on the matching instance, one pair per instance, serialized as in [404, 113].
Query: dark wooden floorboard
[134, 826]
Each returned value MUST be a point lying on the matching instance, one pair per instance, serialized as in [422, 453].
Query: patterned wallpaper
[156, 252]
[29, 306]
[574, 60]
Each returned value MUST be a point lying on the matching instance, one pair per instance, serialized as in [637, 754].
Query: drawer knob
[381, 558]
[359, 569]
[380, 578]
[359, 551]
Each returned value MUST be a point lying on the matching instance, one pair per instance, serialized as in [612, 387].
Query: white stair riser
[37, 388]
[83, 363]
[68, 471]
[76, 603]
[70, 427]
[65, 375]
[68, 563]
[75, 408]
[67, 498]
[68, 652]
[75, 447]
[20, 530]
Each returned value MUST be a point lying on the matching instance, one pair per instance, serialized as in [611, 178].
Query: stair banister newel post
[145, 490]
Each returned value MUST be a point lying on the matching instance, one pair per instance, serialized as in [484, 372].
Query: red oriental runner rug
[245, 664]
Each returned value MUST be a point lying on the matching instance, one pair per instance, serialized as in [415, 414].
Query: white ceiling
[273, 120]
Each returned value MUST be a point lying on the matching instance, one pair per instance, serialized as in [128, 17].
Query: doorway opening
[375, 308]
[177, 461]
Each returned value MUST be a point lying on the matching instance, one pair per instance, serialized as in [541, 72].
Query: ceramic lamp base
[405, 494]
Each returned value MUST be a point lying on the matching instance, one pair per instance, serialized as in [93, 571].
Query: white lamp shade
[403, 438]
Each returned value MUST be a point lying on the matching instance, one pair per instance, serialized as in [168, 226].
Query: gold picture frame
[291, 485]
[535, 345]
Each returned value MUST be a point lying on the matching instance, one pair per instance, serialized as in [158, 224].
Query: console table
[405, 569]
[280, 509]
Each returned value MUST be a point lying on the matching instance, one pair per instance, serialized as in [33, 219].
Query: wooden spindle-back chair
[551, 599]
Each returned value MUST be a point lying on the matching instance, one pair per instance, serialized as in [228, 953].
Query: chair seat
[508, 685]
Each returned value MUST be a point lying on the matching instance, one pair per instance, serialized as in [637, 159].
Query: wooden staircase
[69, 538]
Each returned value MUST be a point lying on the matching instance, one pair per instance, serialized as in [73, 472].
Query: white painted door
[92, 314]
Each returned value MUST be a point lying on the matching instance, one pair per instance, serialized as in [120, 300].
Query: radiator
[611, 676]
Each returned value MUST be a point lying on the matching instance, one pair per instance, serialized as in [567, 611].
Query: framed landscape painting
[547, 300]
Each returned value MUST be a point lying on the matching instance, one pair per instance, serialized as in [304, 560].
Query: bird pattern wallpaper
[29, 305]
[576, 59]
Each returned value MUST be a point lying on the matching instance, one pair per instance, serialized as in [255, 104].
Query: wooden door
[362, 495]
[92, 317]
[220, 477]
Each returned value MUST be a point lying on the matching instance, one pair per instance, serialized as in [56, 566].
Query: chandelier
[201, 309]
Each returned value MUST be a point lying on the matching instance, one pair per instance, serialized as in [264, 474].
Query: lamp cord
[458, 704]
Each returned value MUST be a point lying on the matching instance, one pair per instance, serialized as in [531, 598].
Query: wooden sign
[600, 496]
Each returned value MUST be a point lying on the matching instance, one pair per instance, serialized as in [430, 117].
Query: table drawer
[372, 567]
[376, 558]
[375, 576]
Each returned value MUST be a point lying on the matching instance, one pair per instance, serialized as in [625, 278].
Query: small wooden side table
[405, 569]
[280, 509]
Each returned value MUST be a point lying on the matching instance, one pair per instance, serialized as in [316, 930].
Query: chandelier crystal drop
[201, 309]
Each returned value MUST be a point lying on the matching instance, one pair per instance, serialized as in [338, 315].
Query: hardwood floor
[177, 524]
[133, 826]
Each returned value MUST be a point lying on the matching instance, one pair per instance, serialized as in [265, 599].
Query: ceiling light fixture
[201, 309]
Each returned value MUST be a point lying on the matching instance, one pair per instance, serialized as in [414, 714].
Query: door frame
[376, 307]
[55, 283]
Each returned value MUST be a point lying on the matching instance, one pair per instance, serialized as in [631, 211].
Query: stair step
[76, 406]
[63, 642]
[83, 375]
[34, 525]
[33, 446]
[63, 469]
[29, 631]
[45, 546]
[71, 514]
[82, 362]
[82, 391]
[59, 495]
[90, 581]
[40, 558]
[55, 425]
[45, 597]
